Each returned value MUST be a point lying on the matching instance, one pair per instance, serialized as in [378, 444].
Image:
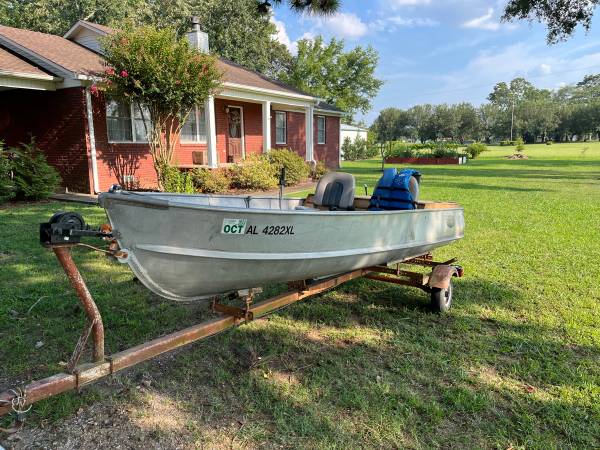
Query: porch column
[211, 133]
[266, 129]
[309, 115]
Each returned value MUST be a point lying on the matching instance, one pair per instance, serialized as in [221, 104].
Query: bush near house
[7, 185]
[295, 166]
[25, 174]
[256, 172]
[174, 180]
[214, 181]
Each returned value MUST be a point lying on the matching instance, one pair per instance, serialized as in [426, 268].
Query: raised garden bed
[426, 160]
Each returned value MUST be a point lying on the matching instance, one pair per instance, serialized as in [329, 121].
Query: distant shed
[353, 132]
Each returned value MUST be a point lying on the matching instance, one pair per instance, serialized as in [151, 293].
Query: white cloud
[342, 25]
[485, 22]
[542, 66]
[281, 35]
[400, 3]
[545, 69]
[413, 21]
[391, 24]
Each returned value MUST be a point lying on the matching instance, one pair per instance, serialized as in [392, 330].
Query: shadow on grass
[369, 365]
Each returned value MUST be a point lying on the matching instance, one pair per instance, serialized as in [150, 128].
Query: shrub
[358, 149]
[33, 177]
[319, 170]
[403, 150]
[174, 180]
[442, 151]
[213, 181]
[507, 143]
[296, 168]
[549, 142]
[475, 149]
[7, 184]
[256, 172]
[520, 145]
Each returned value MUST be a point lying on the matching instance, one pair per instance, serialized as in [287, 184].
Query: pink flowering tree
[162, 73]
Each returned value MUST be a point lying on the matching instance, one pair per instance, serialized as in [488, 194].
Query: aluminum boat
[192, 247]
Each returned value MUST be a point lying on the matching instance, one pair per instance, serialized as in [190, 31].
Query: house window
[194, 128]
[127, 122]
[280, 127]
[321, 129]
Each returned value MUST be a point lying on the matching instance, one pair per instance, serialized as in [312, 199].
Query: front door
[235, 135]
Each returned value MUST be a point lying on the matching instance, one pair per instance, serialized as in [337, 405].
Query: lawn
[515, 364]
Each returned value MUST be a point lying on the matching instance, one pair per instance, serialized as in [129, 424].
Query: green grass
[516, 363]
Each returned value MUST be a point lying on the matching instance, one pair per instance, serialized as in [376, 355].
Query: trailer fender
[441, 275]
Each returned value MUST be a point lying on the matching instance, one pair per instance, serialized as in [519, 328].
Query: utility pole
[512, 117]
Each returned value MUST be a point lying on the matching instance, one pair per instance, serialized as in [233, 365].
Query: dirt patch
[517, 156]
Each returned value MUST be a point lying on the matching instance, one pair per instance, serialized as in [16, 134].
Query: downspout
[90, 119]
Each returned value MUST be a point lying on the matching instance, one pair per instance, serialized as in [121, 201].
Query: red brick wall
[296, 132]
[57, 120]
[117, 161]
[329, 152]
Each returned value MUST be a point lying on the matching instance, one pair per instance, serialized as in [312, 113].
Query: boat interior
[334, 192]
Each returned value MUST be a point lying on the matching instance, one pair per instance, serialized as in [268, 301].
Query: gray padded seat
[335, 191]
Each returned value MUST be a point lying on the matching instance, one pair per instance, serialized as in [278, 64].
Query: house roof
[324, 106]
[13, 64]
[237, 74]
[57, 50]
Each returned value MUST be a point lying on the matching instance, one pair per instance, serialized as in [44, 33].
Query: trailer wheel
[441, 299]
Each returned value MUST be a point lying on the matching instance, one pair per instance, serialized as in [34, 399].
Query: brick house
[94, 142]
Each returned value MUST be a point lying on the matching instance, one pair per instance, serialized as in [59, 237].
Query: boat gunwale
[154, 203]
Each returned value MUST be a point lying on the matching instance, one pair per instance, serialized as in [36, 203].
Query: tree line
[514, 109]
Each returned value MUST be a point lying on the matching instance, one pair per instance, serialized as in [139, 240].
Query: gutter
[90, 119]
[31, 76]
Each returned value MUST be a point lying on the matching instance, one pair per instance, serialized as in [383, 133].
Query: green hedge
[215, 181]
[174, 180]
[295, 166]
[425, 150]
[256, 172]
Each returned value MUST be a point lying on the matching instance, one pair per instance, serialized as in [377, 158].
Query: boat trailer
[64, 232]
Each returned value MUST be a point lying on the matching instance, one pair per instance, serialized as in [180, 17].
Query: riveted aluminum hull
[178, 246]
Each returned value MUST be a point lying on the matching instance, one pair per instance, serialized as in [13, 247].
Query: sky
[446, 51]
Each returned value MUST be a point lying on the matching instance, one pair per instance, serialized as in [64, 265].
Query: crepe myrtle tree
[161, 74]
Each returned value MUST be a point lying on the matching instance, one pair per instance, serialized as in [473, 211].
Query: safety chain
[18, 403]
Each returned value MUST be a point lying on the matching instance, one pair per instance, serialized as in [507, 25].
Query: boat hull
[186, 251]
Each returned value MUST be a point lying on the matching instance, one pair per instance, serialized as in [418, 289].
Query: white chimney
[198, 38]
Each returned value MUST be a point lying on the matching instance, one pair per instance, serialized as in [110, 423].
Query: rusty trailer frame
[77, 375]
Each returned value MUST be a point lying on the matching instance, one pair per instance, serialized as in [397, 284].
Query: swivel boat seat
[335, 191]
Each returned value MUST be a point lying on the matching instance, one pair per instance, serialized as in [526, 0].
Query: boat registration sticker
[234, 226]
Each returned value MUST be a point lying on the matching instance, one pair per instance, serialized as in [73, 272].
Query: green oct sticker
[234, 226]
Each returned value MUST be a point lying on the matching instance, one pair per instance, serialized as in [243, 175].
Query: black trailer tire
[441, 299]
